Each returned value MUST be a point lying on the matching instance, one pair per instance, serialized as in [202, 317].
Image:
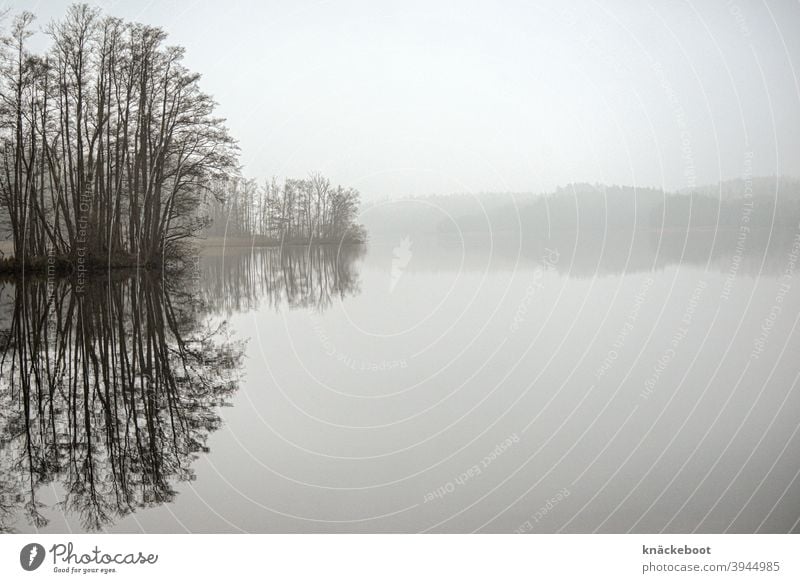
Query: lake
[453, 383]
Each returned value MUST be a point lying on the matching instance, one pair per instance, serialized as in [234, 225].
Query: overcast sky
[414, 98]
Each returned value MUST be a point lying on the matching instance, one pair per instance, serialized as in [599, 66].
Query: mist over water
[489, 382]
[428, 267]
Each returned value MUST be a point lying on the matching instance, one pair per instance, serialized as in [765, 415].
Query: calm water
[418, 384]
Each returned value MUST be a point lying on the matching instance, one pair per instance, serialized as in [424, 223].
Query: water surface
[445, 384]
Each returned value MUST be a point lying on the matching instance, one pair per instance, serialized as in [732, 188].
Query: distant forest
[763, 203]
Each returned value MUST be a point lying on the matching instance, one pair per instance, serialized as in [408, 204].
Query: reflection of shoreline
[595, 252]
[261, 242]
[240, 279]
[110, 393]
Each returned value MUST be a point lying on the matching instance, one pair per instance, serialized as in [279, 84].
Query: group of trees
[110, 152]
[297, 210]
[107, 143]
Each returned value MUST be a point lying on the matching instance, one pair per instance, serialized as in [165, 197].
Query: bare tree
[297, 211]
[108, 145]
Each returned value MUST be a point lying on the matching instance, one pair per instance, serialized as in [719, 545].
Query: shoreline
[65, 265]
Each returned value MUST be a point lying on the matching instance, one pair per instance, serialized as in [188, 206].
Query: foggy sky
[416, 97]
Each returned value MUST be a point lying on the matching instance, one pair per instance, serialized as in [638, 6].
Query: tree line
[107, 143]
[111, 153]
[311, 210]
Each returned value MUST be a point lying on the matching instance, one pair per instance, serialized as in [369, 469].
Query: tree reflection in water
[110, 389]
[239, 279]
[109, 392]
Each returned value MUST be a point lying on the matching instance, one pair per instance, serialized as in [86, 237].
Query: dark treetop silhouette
[108, 143]
[112, 157]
